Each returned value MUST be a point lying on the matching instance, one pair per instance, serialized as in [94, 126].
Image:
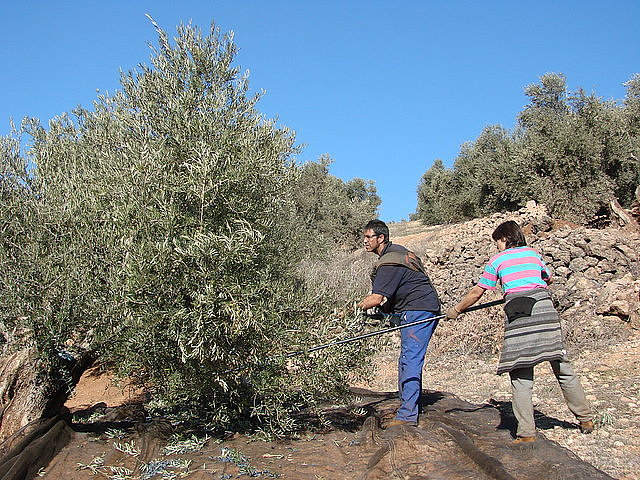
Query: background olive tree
[160, 231]
[330, 211]
[573, 151]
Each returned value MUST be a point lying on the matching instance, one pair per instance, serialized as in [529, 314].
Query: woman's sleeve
[489, 278]
[546, 271]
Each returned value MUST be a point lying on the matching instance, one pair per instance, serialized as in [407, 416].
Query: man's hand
[373, 312]
[370, 301]
[452, 314]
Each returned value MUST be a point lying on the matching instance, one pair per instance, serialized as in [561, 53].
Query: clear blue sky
[384, 87]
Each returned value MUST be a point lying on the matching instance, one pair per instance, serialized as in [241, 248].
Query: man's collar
[385, 248]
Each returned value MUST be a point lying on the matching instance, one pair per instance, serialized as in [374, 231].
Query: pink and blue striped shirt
[518, 269]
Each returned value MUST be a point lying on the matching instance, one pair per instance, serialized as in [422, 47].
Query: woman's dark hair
[512, 234]
[379, 228]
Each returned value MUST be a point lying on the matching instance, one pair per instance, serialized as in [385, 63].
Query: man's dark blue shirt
[406, 289]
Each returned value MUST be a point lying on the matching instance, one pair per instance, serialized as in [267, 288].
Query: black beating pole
[387, 330]
[373, 334]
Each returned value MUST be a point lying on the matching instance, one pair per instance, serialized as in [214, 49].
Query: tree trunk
[624, 218]
[635, 206]
[29, 391]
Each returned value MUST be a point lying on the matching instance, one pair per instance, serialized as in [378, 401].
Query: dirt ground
[356, 448]
[99, 385]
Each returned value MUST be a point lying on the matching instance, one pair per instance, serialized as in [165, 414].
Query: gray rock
[578, 264]
[607, 266]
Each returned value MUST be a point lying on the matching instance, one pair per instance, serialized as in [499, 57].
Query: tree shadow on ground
[367, 403]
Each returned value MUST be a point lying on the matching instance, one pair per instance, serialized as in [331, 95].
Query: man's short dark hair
[512, 234]
[379, 228]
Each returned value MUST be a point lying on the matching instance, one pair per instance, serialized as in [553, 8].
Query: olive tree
[434, 192]
[164, 241]
[333, 210]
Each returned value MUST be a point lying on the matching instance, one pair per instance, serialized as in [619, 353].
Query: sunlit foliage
[160, 230]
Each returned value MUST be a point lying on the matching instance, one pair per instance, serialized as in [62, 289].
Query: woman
[532, 329]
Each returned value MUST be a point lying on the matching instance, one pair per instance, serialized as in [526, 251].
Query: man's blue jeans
[414, 342]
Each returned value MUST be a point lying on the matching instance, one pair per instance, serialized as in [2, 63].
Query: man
[401, 285]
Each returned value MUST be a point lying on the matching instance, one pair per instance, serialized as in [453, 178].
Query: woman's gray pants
[522, 387]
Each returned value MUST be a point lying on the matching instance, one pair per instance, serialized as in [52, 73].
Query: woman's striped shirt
[518, 269]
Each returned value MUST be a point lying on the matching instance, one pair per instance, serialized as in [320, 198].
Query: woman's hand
[452, 313]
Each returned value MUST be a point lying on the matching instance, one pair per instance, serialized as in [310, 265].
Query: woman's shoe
[586, 427]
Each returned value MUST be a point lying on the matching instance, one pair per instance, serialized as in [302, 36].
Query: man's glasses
[371, 236]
